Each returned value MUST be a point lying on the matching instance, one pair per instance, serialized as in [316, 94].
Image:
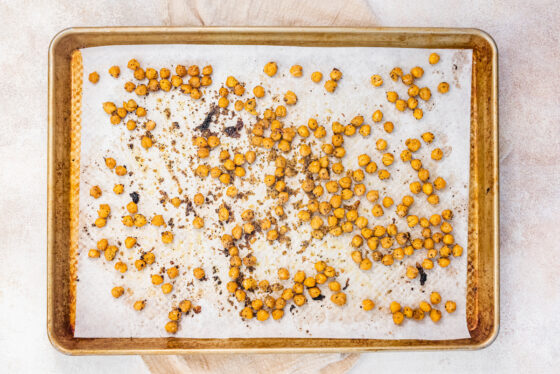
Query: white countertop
[529, 60]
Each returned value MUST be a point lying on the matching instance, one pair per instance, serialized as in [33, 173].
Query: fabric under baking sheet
[448, 117]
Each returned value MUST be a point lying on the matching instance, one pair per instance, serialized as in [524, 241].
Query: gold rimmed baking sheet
[483, 290]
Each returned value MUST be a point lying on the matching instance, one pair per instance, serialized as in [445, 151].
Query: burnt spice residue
[208, 120]
[234, 131]
[135, 197]
[423, 275]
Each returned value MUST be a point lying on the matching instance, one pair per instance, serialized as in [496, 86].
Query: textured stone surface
[529, 47]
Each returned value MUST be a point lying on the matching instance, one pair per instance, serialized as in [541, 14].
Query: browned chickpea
[198, 273]
[290, 98]
[94, 77]
[207, 70]
[417, 72]
[114, 71]
[139, 305]
[339, 298]
[171, 327]
[316, 76]
[396, 73]
[330, 85]
[376, 80]
[296, 70]
[117, 292]
[270, 69]
[392, 96]
[443, 87]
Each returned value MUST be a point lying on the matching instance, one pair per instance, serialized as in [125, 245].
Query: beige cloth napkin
[262, 13]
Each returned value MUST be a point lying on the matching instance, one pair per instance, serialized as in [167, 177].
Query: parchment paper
[98, 314]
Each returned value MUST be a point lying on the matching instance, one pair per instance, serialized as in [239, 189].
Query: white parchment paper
[159, 173]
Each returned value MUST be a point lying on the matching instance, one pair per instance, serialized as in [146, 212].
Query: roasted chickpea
[400, 105]
[114, 71]
[437, 154]
[396, 73]
[376, 80]
[450, 306]
[330, 85]
[296, 70]
[94, 77]
[392, 96]
[339, 298]
[117, 292]
[316, 76]
[270, 69]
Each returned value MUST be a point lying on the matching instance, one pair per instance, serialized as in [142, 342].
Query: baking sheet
[448, 117]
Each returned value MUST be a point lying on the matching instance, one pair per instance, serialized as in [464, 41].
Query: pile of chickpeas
[418, 314]
[330, 189]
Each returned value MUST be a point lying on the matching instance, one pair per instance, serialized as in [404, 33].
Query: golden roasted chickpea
[109, 107]
[110, 253]
[296, 70]
[95, 192]
[171, 327]
[205, 81]
[198, 222]
[392, 96]
[435, 315]
[117, 292]
[395, 307]
[407, 79]
[129, 242]
[416, 164]
[151, 73]
[418, 113]
[387, 201]
[238, 90]
[165, 85]
[300, 300]
[139, 264]
[104, 210]
[240, 295]
[166, 237]
[290, 98]
[198, 273]
[425, 93]
[115, 119]
[93, 253]
[434, 200]
[377, 116]
[433, 59]
[330, 85]
[139, 305]
[443, 87]
[270, 69]
[94, 77]
[413, 90]
[316, 76]
[387, 159]
[376, 80]
[396, 73]
[412, 103]
[400, 105]
[387, 260]
[411, 272]
[381, 144]
[383, 174]
[435, 298]
[417, 72]
[408, 312]
[223, 102]
[388, 127]
[339, 298]
[115, 71]
[437, 154]
[450, 306]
